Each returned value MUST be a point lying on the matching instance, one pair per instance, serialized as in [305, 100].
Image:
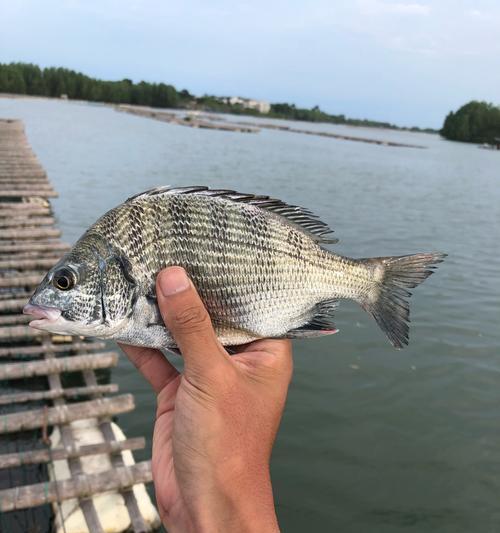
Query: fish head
[88, 292]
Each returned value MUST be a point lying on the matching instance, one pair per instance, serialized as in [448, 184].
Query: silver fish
[258, 263]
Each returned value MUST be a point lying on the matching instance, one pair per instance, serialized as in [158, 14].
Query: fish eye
[64, 279]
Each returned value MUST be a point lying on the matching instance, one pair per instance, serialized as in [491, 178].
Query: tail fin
[388, 301]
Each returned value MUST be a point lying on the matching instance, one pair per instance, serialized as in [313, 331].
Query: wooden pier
[49, 382]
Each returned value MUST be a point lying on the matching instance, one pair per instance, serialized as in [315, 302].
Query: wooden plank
[46, 247]
[14, 351]
[7, 320]
[81, 486]
[74, 463]
[29, 264]
[20, 281]
[29, 233]
[15, 304]
[28, 194]
[31, 457]
[70, 392]
[139, 525]
[72, 363]
[23, 207]
[12, 222]
[20, 332]
[64, 414]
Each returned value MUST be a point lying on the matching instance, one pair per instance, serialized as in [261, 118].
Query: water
[372, 439]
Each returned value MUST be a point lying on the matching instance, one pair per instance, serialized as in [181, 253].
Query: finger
[188, 321]
[152, 364]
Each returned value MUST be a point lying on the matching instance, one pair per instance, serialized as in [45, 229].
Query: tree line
[29, 79]
[476, 122]
[25, 78]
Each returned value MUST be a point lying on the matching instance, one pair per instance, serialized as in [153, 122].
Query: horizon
[406, 63]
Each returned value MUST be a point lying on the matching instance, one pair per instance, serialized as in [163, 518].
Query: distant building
[260, 105]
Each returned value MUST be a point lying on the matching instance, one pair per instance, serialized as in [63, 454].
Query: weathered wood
[12, 305]
[76, 346]
[14, 185]
[8, 320]
[81, 486]
[71, 363]
[24, 207]
[29, 264]
[6, 295]
[32, 457]
[29, 233]
[74, 463]
[12, 222]
[28, 193]
[70, 392]
[64, 414]
[20, 332]
[20, 281]
[139, 525]
[46, 247]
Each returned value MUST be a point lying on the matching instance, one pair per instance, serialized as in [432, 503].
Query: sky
[407, 62]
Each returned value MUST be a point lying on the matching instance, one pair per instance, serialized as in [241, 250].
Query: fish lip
[44, 314]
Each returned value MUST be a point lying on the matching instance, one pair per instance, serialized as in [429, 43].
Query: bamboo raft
[35, 368]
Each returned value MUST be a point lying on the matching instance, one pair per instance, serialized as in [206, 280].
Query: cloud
[380, 7]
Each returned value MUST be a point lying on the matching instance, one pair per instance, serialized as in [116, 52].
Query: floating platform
[64, 465]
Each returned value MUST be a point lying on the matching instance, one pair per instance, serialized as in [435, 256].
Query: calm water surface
[373, 440]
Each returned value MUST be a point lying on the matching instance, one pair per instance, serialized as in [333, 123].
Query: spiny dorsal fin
[299, 216]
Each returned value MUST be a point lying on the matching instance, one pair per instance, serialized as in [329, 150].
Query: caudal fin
[388, 302]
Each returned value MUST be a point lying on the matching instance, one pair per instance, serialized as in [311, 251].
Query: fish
[260, 265]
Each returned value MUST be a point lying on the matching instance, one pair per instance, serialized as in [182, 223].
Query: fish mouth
[45, 315]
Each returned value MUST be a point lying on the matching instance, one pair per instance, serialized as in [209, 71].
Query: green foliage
[476, 122]
[289, 111]
[24, 78]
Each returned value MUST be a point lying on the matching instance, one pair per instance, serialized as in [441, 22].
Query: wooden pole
[70, 392]
[29, 264]
[8, 320]
[28, 194]
[71, 363]
[15, 304]
[28, 233]
[64, 414]
[20, 332]
[76, 346]
[47, 247]
[32, 457]
[25, 221]
[80, 486]
[136, 518]
[20, 281]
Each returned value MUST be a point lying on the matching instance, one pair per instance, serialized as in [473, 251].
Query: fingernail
[173, 281]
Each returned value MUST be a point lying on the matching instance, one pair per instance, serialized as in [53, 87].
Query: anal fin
[319, 324]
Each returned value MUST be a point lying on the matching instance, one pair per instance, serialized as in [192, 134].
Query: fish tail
[387, 300]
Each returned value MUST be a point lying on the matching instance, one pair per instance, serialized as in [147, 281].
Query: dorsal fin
[298, 216]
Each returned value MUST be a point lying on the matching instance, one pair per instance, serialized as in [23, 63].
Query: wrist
[238, 501]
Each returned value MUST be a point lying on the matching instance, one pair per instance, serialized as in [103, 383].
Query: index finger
[152, 364]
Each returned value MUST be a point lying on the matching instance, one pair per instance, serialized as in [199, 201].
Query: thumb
[188, 321]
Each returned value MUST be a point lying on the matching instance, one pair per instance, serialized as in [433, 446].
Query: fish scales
[259, 265]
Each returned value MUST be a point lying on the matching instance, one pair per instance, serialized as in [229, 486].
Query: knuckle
[191, 319]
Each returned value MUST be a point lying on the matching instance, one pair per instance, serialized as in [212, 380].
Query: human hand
[216, 422]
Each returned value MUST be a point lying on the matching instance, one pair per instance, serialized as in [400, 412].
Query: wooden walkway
[38, 389]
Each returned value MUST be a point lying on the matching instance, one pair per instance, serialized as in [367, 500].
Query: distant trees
[477, 122]
[25, 78]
